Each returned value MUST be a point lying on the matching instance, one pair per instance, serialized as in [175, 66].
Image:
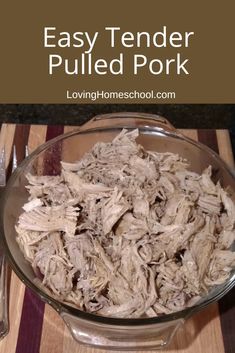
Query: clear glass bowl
[156, 134]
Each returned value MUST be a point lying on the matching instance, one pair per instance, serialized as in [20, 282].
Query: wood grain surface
[36, 327]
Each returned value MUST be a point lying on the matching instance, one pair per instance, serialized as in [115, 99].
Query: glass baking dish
[156, 134]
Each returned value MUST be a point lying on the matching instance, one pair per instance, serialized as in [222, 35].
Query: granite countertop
[198, 116]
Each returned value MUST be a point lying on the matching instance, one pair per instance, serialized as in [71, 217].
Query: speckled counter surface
[193, 116]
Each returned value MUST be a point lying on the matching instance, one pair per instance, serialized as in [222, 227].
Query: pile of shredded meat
[126, 232]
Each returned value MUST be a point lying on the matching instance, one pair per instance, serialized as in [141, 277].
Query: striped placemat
[36, 327]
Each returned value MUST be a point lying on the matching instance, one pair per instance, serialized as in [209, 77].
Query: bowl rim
[80, 314]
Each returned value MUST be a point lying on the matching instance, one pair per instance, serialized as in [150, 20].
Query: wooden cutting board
[36, 327]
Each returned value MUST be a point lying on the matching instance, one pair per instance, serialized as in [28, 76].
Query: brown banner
[117, 52]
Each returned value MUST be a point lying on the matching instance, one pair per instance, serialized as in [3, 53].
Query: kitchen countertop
[188, 116]
[193, 116]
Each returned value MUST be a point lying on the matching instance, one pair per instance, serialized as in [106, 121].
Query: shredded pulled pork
[126, 232]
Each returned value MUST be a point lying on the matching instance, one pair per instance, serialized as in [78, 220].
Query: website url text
[119, 95]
